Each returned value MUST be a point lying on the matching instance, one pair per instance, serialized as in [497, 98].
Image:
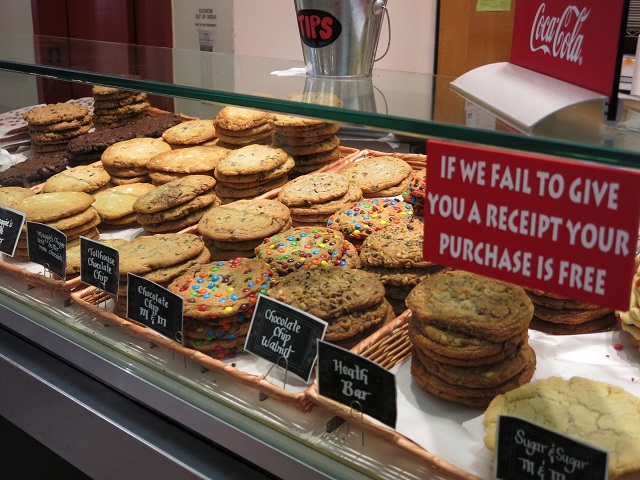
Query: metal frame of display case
[76, 394]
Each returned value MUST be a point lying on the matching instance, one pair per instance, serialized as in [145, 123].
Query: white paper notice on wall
[478, 117]
[493, 5]
[205, 39]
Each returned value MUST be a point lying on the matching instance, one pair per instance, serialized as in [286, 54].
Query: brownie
[149, 126]
[34, 170]
[83, 158]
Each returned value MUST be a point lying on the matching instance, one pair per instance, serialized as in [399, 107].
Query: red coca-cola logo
[577, 41]
[559, 36]
[317, 28]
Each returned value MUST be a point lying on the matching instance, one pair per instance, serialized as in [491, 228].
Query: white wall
[269, 29]
[17, 91]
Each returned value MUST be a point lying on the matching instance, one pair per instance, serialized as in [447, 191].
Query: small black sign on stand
[11, 222]
[99, 265]
[356, 381]
[154, 306]
[47, 247]
[285, 336]
[527, 451]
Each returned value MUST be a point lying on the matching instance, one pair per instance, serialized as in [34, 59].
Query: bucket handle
[381, 7]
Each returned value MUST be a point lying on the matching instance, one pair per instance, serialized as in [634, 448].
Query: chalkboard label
[11, 222]
[99, 265]
[47, 247]
[285, 336]
[357, 382]
[528, 451]
[154, 306]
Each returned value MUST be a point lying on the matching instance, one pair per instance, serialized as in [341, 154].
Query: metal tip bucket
[340, 37]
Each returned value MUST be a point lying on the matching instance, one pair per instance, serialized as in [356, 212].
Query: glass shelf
[393, 101]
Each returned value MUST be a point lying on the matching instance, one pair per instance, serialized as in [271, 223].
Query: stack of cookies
[394, 255]
[181, 162]
[358, 220]
[88, 148]
[557, 315]
[306, 248]
[34, 170]
[147, 256]
[416, 191]
[113, 107]
[383, 176]
[236, 229]
[237, 127]
[630, 320]
[52, 126]
[176, 205]
[190, 134]
[126, 161]
[351, 301]
[83, 178]
[469, 336]
[219, 299]
[70, 212]
[250, 171]
[115, 204]
[312, 143]
[314, 197]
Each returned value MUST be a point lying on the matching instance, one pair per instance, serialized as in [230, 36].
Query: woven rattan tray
[94, 300]
[36, 279]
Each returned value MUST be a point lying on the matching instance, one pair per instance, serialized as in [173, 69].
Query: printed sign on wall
[555, 225]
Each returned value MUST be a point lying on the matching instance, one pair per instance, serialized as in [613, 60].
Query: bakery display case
[93, 388]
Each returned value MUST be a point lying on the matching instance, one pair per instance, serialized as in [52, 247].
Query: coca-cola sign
[559, 37]
[577, 41]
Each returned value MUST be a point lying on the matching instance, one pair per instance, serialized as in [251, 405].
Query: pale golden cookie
[47, 207]
[117, 202]
[188, 160]
[251, 159]
[596, 413]
[11, 195]
[190, 133]
[135, 152]
[239, 118]
[83, 178]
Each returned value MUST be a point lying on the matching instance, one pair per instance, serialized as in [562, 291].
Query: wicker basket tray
[387, 347]
[34, 279]
[92, 299]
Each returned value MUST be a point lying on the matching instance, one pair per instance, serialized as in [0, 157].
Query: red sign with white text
[558, 226]
[577, 41]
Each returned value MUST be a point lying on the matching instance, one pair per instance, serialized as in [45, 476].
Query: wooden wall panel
[467, 39]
